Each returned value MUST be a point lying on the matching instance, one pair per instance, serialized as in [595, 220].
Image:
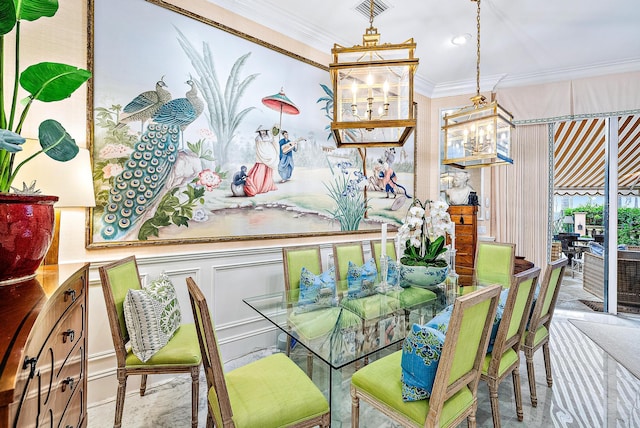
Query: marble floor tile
[590, 389]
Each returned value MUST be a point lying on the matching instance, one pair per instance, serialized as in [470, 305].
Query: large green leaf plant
[45, 81]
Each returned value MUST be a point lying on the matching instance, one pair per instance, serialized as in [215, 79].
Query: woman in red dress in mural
[260, 176]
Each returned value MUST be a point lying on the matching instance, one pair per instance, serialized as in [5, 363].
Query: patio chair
[454, 393]
[536, 335]
[270, 392]
[494, 263]
[180, 355]
[504, 357]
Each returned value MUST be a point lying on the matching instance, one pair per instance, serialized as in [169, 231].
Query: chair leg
[310, 364]
[517, 392]
[528, 353]
[495, 403]
[355, 410]
[471, 419]
[143, 385]
[210, 423]
[547, 363]
[195, 387]
[122, 387]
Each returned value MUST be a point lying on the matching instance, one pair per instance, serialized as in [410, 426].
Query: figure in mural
[260, 176]
[459, 193]
[238, 182]
[287, 147]
[389, 181]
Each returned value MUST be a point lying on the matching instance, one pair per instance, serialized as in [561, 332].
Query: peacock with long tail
[137, 189]
[181, 111]
[144, 106]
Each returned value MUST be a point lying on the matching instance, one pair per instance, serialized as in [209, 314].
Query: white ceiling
[522, 42]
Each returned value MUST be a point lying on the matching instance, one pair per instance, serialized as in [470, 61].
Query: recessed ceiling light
[461, 39]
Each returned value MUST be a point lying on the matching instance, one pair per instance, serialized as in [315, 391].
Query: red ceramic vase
[26, 228]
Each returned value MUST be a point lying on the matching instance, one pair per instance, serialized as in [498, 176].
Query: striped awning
[579, 153]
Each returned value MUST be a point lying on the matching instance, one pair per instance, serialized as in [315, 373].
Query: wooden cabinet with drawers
[43, 346]
[466, 219]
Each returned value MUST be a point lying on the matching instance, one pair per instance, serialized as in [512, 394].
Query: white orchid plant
[45, 81]
[423, 233]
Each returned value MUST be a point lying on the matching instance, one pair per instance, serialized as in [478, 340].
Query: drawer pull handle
[30, 363]
[70, 334]
[67, 381]
[461, 220]
[70, 292]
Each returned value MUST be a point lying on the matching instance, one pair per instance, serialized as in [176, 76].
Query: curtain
[520, 195]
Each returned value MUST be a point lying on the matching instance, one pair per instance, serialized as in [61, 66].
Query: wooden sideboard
[43, 349]
[465, 218]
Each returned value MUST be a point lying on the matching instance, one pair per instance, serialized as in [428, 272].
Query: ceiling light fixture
[478, 135]
[462, 39]
[373, 91]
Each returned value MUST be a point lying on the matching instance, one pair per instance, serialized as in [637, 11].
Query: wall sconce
[373, 92]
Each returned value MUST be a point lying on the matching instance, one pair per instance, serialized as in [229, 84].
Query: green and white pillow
[152, 316]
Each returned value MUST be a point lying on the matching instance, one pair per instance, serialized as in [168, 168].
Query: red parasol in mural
[280, 102]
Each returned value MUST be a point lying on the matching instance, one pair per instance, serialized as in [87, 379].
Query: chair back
[211, 359]
[464, 348]
[117, 279]
[376, 251]
[494, 263]
[345, 252]
[514, 317]
[547, 296]
[294, 259]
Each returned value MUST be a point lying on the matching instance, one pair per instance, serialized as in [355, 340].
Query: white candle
[383, 251]
[453, 235]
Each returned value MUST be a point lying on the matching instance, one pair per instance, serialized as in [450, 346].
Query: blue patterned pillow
[421, 352]
[317, 289]
[441, 321]
[361, 279]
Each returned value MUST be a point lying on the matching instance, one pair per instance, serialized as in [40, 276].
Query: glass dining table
[350, 327]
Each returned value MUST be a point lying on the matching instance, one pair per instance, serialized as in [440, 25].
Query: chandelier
[373, 91]
[478, 135]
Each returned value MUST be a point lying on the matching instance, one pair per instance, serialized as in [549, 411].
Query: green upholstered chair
[180, 355]
[370, 307]
[409, 297]
[494, 263]
[504, 358]
[270, 392]
[308, 325]
[454, 394]
[537, 334]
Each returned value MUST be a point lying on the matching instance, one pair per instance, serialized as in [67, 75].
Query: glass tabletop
[343, 329]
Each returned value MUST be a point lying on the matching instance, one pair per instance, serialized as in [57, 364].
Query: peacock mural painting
[176, 138]
[144, 192]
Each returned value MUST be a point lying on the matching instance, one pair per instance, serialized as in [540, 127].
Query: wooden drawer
[70, 379]
[464, 259]
[465, 241]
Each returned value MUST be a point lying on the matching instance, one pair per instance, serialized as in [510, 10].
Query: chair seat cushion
[182, 349]
[541, 334]
[313, 324]
[508, 359]
[413, 296]
[272, 392]
[381, 380]
[152, 315]
[371, 307]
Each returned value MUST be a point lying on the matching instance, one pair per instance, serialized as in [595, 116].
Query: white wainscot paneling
[225, 278]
